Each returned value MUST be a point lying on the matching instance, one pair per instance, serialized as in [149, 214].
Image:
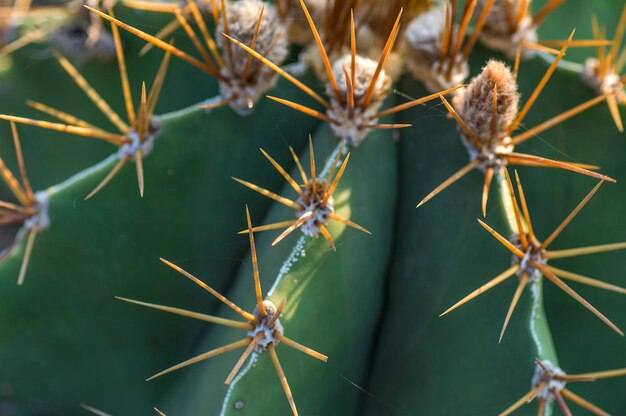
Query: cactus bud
[507, 26]
[603, 79]
[475, 104]
[351, 124]
[425, 57]
[246, 79]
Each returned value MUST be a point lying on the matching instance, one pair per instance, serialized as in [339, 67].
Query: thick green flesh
[67, 341]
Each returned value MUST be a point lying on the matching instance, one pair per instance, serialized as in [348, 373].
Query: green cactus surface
[369, 301]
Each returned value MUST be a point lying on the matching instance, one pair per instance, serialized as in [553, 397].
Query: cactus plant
[342, 260]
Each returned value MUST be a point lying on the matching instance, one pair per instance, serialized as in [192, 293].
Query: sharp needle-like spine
[484, 288]
[452, 179]
[30, 242]
[246, 315]
[205, 356]
[518, 293]
[535, 94]
[255, 267]
[563, 286]
[120, 163]
[283, 379]
[303, 218]
[244, 356]
[190, 314]
[570, 217]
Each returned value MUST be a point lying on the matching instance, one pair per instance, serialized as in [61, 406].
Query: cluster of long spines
[492, 144]
[232, 70]
[24, 210]
[261, 316]
[140, 119]
[313, 189]
[529, 240]
[344, 102]
[605, 71]
[434, 43]
[562, 393]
